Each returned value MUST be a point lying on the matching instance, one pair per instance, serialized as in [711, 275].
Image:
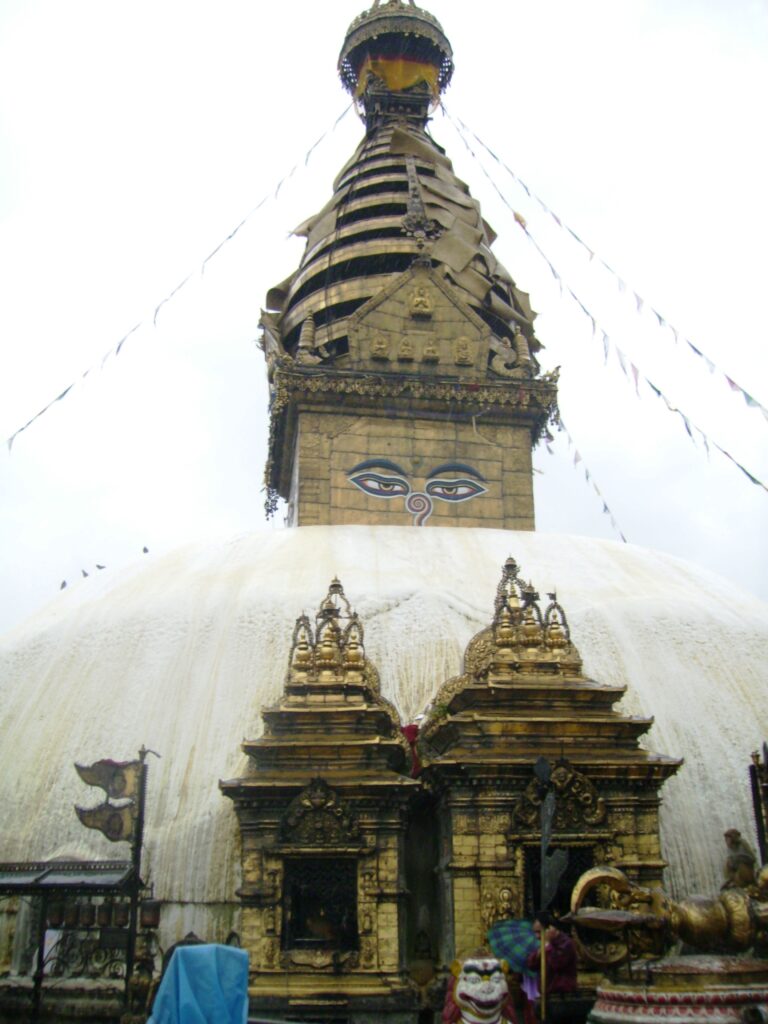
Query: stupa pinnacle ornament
[396, 59]
[402, 358]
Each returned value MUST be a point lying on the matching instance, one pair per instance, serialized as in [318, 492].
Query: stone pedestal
[711, 989]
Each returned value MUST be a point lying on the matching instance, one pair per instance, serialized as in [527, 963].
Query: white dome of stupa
[180, 653]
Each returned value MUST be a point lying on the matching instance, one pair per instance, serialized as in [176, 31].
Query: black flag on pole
[119, 779]
[117, 823]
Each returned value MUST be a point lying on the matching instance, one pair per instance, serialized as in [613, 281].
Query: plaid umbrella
[513, 941]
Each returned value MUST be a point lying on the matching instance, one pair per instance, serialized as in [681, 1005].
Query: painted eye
[454, 490]
[381, 486]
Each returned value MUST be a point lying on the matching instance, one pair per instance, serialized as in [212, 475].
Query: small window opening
[320, 904]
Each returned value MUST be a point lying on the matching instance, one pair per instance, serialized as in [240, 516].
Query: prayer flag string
[623, 287]
[115, 351]
[635, 376]
[578, 460]
[628, 368]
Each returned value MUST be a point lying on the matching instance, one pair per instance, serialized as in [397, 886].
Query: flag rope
[640, 302]
[115, 351]
[623, 360]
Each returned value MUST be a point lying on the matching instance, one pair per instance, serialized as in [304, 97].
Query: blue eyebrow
[456, 467]
[377, 464]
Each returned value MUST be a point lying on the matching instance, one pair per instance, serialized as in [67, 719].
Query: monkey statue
[740, 862]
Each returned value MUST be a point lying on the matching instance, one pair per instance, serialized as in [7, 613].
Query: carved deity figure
[488, 909]
[406, 352]
[380, 347]
[462, 352]
[740, 861]
[431, 353]
[506, 904]
[422, 306]
[478, 992]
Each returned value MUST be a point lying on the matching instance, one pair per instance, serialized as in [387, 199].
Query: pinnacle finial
[396, 59]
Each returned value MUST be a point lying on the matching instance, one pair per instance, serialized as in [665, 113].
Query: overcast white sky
[134, 137]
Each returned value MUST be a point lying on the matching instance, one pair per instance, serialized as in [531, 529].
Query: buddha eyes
[381, 486]
[454, 490]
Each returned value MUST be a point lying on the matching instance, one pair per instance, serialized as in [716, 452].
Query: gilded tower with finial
[402, 359]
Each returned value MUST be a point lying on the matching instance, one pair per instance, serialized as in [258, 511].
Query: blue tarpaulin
[203, 985]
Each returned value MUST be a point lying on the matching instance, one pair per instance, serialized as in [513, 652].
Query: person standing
[560, 961]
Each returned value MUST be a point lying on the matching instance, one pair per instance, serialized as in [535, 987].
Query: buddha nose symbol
[420, 506]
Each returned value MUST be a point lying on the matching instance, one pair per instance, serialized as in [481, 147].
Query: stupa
[406, 396]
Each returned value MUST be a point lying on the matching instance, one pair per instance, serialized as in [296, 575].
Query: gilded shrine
[323, 817]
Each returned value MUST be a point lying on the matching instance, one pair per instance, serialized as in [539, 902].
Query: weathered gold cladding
[401, 316]
[331, 445]
[326, 791]
[405, 389]
[522, 696]
[332, 424]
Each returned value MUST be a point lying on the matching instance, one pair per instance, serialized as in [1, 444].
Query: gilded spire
[400, 303]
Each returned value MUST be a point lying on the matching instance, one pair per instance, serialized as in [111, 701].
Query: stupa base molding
[336, 1000]
[696, 989]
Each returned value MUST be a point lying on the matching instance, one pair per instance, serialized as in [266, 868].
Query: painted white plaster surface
[181, 652]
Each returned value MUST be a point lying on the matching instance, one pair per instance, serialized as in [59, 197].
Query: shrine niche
[323, 816]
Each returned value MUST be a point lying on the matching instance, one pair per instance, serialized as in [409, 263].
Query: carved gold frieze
[319, 959]
[531, 402]
[317, 817]
[484, 824]
[501, 903]
[419, 323]
[577, 801]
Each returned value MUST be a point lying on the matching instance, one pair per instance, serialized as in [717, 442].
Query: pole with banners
[553, 863]
[758, 778]
[121, 819]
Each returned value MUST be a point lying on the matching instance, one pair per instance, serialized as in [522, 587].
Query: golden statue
[405, 352]
[380, 347]
[615, 919]
[462, 352]
[422, 305]
[431, 353]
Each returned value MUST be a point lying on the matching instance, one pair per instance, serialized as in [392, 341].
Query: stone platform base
[694, 989]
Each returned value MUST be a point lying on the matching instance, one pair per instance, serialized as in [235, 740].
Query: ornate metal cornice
[522, 694]
[317, 817]
[534, 400]
[393, 18]
[332, 720]
[577, 800]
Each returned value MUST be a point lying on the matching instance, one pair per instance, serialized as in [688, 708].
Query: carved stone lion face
[481, 989]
